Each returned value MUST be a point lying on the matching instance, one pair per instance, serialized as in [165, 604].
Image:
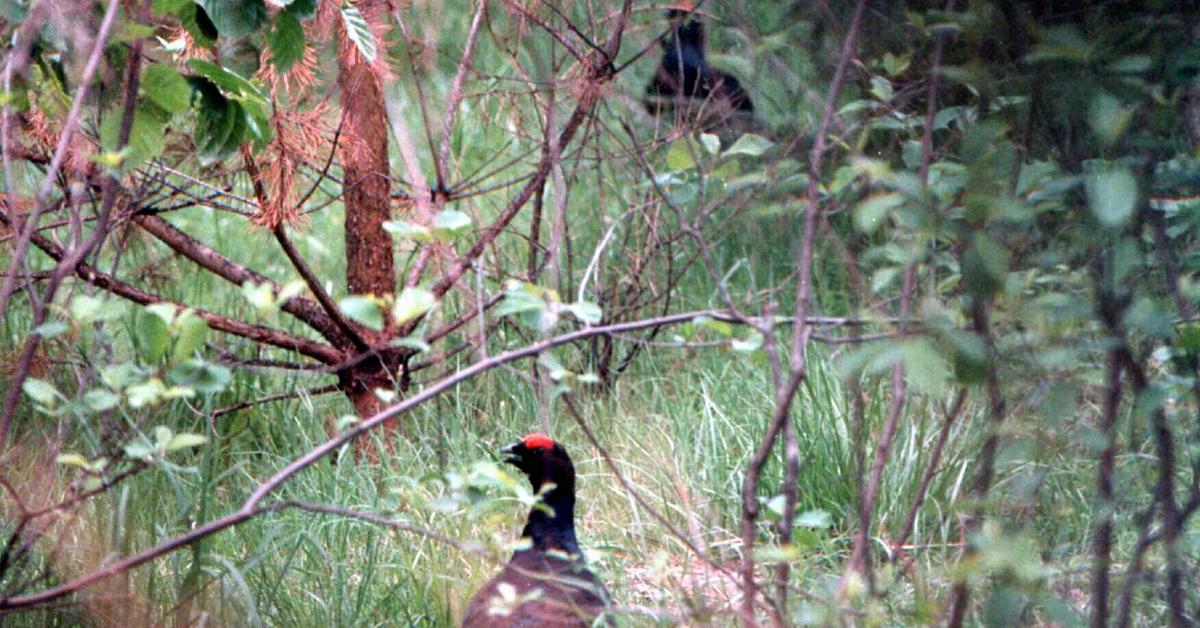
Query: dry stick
[1103, 530]
[931, 468]
[784, 397]
[60, 152]
[242, 405]
[442, 163]
[1145, 519]
[253, 505]
[961, 594]
[72, 259]
[1164, 490]
[314, 284]
[633, 493]
[860, 560]
[370, 517]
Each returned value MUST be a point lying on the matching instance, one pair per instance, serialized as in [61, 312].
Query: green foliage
[231, 109]
[362, 310]
[165, 87]
[286, 41]
[235, 18]
[358, 31]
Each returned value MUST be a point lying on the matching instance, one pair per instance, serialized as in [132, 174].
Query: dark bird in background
[685, 74]
[547, 584]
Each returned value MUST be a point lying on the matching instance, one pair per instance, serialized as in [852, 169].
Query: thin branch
[29, 224]
[454, 97]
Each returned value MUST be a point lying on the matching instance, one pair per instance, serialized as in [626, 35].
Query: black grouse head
[544, 461]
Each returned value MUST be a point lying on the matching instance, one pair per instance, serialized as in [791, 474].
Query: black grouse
[685, 74]
[547, 584]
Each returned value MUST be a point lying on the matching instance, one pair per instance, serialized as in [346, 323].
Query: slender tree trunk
[366, 195]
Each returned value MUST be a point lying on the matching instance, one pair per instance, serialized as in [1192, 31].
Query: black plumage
[685, 73]
[547, 584]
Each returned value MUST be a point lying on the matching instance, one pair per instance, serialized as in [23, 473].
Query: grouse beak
[509, 454]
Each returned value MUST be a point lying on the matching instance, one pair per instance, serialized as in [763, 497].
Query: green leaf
[231, 84]
[984, 266]
[185, 441]
[152, 335]
[235, 18]
[165, 311]
[521, 298]
[1131, 64]
[165, 87]
[412, 342]
[260, 296]
[192, 331]
[450, 224]
[924, 366]
[146, 137]
[286, 41]
[894, 65]
[1108, 117]
[881, 88]
[679, 157]
[201, 376]
[198, 24]
[168, 7]
[750, 144]
[100, 399]
[359, 32]
[362, 310]
[84, 307]
[140, 449]
[50, 329]
[554, 367]
[216, 132]
[751, 343]
[816, 519]
[72, 460]
[1112, 195]
[711, 143]
[408, 230]
[777, 553]
[585, 312]
[301, 9]
[721, 327]
[412, 303]
[162, 434]
[145, 393]
[869, 214]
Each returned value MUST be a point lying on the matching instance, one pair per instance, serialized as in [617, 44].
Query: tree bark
[370, 269]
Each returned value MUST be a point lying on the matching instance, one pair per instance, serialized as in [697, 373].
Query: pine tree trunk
[363, 153]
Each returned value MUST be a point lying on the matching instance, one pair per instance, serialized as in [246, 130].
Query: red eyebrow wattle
[537, 441]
